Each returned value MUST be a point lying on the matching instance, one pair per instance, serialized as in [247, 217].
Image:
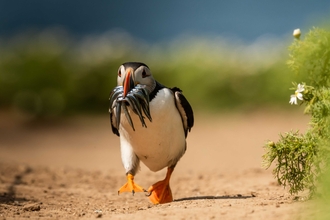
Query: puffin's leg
[131, 163]
[130, 186]
[160, 192]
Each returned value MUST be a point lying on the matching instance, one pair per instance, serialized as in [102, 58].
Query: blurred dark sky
[157, 21]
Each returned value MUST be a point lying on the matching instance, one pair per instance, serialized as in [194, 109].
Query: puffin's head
[132, 73]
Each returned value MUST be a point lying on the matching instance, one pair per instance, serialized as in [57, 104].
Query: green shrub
[300, 159]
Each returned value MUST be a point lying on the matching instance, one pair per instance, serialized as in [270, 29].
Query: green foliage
[309, 58]
[49, 74]
[323, 201]
[294, 154]
[301, 158]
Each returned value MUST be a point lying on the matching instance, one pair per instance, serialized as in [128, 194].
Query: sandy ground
[71, 169]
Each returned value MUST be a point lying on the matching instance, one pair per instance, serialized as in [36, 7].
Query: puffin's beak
[128, 83]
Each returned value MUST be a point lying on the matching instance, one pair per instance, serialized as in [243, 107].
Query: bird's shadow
[238, 196]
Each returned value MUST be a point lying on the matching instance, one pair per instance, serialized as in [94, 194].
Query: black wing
[185, 110]
[113, 118]
[114, 129]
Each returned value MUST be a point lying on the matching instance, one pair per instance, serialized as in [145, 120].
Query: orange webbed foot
[160, 192]
[130, 186]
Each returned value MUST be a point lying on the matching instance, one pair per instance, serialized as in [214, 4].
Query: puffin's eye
[144, 74]
[119, 73]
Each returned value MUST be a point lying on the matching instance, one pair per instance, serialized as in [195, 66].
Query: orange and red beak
[128, 82]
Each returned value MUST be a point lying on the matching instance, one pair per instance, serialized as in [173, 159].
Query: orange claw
[130, 186]
[160, 192]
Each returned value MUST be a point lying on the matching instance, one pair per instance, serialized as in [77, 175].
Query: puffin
[152, 122]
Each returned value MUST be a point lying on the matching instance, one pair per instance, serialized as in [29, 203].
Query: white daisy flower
[297, 95]
[296, 33]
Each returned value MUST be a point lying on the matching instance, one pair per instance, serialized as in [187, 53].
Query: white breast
[163, 142]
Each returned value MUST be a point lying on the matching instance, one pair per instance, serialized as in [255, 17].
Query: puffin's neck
[154, 92]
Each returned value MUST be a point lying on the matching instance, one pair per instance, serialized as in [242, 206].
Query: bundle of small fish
[137, 99]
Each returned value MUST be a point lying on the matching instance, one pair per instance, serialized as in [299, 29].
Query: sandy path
[72, 169]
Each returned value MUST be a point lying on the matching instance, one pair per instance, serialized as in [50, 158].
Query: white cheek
[120, 79]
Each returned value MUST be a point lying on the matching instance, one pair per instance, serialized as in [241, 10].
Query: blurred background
[61, 57]
[59, 62]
